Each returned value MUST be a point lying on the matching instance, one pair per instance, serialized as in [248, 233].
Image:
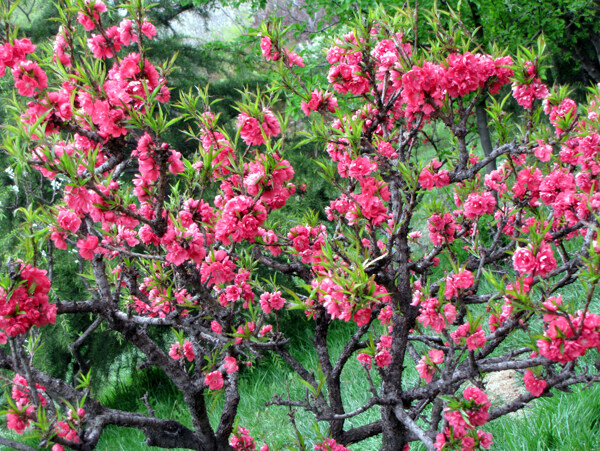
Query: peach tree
[446, 271]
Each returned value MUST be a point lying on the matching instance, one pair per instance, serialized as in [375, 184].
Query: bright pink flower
[255, 133]
[478, 204]
[18, 422]
[86, 21]
[293, 59]
[365, 360]
[534, 385]
[88, 247]
[436, 356]
[362, 317]
[265, 330]
[217, 268]
[361, 167]
[230, 364]
[427, 365]
[383, 358]
[543, 151]
[485, 439]
[103, 48]
[478, 415]
[214, 380]
[319, 101]
[425, 370]
[148, 30]
[266, 47]
[241, 440]
[525, 94]
[476, 340]
[188, 350]
[442, 228]
[176, 351]
[68, 220]
[450, 313]
[215, 327]
[330, 444]
[125, 30]
[524, 260]
[271, 301]
[544, 260]
[460, 281]
[473, 340]
[29, 78]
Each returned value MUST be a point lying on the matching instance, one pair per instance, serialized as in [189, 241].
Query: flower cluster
[435, 315]
[319, 101]
[429, 363]
[241, 218]
[463, 418]
[179, 351]
[538, 263]
[431, 176]
[25, 303]
[241, 440]
[256, 130]
[533, 88]
[567, 338]
[271, 301]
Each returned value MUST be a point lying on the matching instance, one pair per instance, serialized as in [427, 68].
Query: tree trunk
[394, 434]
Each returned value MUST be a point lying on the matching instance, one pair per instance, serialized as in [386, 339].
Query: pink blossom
[534, 385]
[251, 130]
[485, 439]
[460, 281]
[86, 21]
[383, 358]
[293, 59]
[188, 350]
[476, 340]
[176, 351]
[450, 313]
[230, 364]
[478, 204]
[319, 101]
[271, 301]
[330, 444]
[365, 360]
[524, 260]
[525, 94]
[215, 327]
[543, 151]
[267, 49]
[148, 30]
[265, 330]
[29, 78]
[68, 220]
[217, 268]
[362, 317]
[88, 247]
[214, 380]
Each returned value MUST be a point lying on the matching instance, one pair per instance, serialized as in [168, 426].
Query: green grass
[565, 421]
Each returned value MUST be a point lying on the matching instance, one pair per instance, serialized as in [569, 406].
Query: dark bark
[334, 389]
